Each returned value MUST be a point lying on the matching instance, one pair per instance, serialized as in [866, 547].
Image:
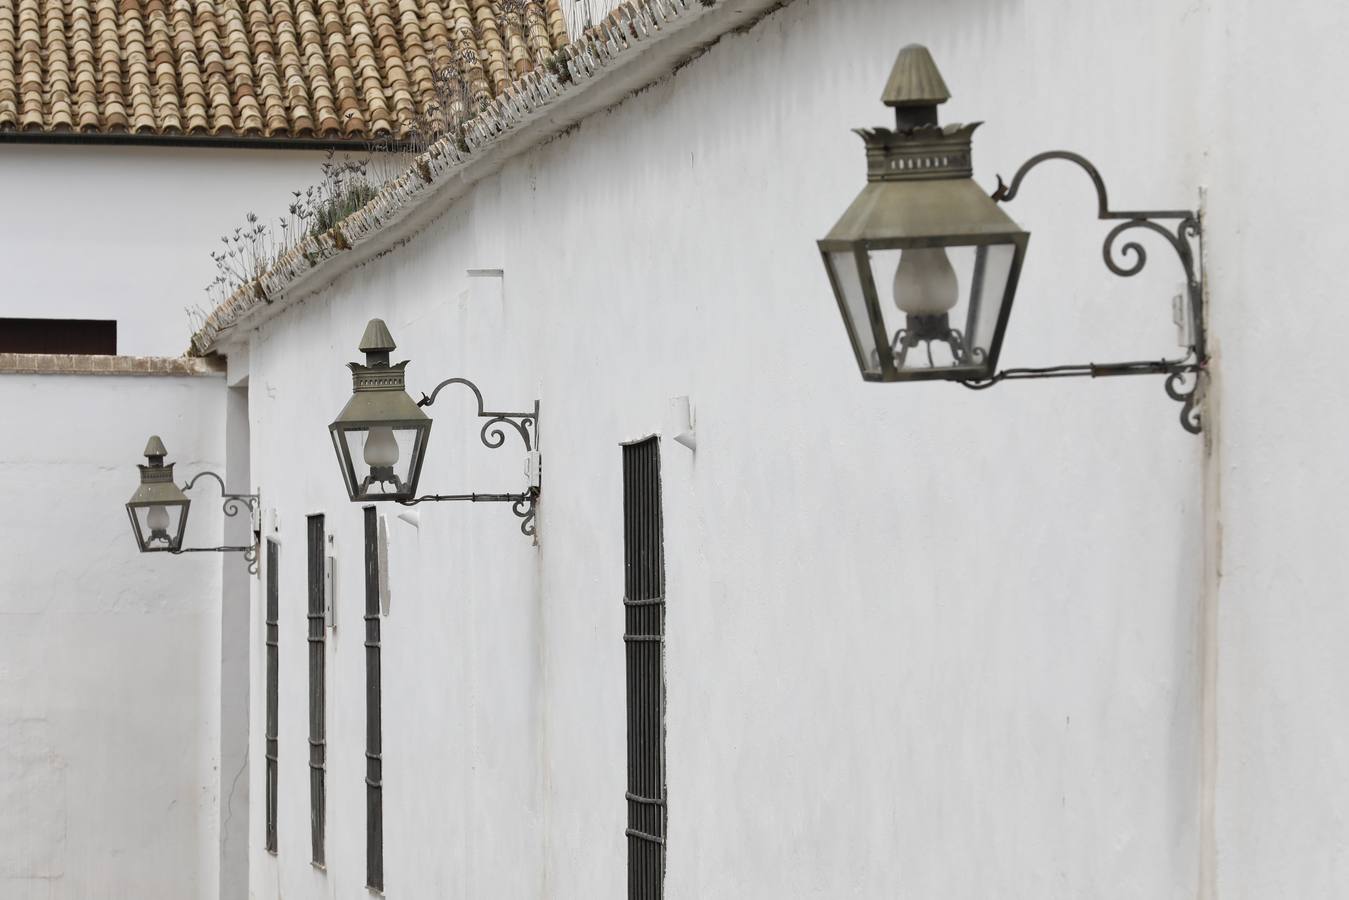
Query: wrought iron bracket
[493, 437]
[232, 505]
[1185, 376]
[523, 506]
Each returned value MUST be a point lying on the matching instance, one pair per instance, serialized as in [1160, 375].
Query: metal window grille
[374, 734]
[273, 603]
[644, 608]
[317, 689]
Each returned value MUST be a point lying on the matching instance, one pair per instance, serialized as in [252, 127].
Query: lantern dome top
[377, 338]
[915, 80]
[155, 448]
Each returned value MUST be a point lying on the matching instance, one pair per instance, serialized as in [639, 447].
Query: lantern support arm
[1184, 233]
[493, 436]
[232, 505]
[526, 424]
[522, 505]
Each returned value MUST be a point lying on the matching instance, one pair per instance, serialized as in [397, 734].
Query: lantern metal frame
[493, 436]
[1184, 375]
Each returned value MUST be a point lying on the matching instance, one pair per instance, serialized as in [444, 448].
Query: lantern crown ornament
[158, 509]
[923, 263]
[381, 434]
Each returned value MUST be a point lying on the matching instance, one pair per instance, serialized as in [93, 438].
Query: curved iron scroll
[250, 554]
[493, 436]
[231, 505]
[1184, 375]
[522, 505]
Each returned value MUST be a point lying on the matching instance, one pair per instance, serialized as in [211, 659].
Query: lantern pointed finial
[377, 343]
[377, 338]
[154, 449]
[915, 88]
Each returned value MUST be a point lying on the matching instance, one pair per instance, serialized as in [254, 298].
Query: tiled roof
[600, 51]
[330, 69]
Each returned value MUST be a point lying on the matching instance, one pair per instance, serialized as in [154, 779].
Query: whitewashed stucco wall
[922, 641]
[1278, 476]
[109, 660]
[126, 233]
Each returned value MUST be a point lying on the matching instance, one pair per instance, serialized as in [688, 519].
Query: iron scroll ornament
[1185, 375]
[493, 437]
[231, 505]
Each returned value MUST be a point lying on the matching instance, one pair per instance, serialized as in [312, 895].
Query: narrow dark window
[317, 689]
[94, 337]
[273, 603]
[644, 608]
[374, 734]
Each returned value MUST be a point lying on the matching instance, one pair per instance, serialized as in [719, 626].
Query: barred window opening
[273, 604]
[644, 638]
[374, 735]
[318, 749]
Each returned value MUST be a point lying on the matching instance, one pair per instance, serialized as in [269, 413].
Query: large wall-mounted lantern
[380, 436]
[159, 508]
[924, 264]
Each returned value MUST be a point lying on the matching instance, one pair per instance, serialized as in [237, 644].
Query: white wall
[126, 233]
[109, 661]
[922, 641]
[1279, 476]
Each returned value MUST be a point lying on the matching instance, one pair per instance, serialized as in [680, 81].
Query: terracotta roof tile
[330, 69]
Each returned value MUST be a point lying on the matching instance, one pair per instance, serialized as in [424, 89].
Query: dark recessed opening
[89, 337]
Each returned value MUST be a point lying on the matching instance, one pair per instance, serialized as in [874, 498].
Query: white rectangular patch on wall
[382, 549]
[486, 288]
[330, 588]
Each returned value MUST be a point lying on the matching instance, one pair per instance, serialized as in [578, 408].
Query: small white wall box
[382, 552]
[534, 468]
[682, 425]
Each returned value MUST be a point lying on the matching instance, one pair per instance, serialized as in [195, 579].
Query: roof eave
[600, 75]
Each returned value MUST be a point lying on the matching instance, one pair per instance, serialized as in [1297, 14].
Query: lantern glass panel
[847, 278]
[380, 462]
[159, 526]
[941, 306]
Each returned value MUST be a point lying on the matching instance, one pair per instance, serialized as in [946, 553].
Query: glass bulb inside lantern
[925, 283]
[380, 448]
[157, 519]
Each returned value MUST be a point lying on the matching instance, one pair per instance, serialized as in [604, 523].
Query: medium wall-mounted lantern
[380, 436]
[924, 265]
[159, 508]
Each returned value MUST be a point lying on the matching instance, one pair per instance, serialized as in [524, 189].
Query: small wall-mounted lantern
[924, 265]
[159, 508]
[380, 436]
